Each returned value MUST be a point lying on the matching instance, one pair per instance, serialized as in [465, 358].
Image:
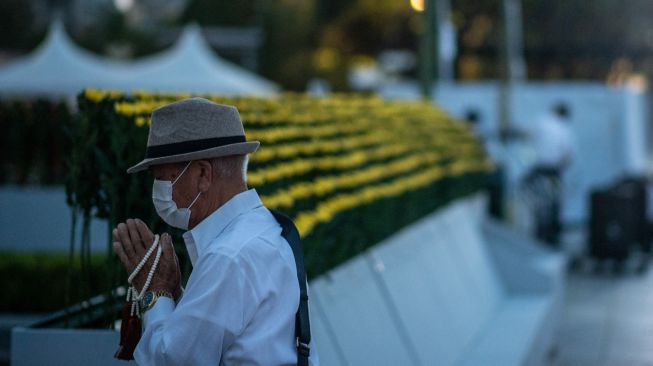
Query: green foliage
[37, 282]
[35, 141]
[223, 13]
[16, 25]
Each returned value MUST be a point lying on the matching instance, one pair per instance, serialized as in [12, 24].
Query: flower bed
[349, 169]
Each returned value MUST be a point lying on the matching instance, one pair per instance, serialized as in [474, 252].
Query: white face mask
[166, 207]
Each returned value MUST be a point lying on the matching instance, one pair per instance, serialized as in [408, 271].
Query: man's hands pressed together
[132, 239]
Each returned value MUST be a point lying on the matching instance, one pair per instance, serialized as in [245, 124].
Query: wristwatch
[150, 297]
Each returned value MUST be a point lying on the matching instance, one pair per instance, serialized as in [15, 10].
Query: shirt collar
[200, 237]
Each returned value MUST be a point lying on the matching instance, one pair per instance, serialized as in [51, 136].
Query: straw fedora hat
[194, 129]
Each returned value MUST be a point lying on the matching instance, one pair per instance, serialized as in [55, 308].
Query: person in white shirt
[553, 139]
[239, 305]
[553, 142]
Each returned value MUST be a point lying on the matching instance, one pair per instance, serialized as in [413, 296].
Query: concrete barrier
[450, 289]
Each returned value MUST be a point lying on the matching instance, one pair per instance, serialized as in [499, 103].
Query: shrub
[37, 282]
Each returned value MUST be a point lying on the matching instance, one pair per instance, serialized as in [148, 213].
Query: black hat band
[185, 147]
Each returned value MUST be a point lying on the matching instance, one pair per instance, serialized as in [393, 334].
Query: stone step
[8, 321]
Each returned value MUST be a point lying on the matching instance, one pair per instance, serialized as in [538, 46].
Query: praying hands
[132, 239]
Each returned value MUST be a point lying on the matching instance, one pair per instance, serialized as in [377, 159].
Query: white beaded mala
[132, 293]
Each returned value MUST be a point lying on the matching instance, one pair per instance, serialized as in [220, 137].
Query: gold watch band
[155, 296]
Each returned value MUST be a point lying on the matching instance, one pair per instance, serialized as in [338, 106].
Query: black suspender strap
[302, 323]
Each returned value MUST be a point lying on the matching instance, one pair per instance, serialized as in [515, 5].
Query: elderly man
[240, 305]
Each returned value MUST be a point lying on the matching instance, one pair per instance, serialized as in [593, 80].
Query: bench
[450, 289]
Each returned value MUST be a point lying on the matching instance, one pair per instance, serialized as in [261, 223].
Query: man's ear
[206, 175]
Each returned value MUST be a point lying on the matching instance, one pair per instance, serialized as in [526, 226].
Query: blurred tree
[307, 38]
[17, 25]
[361, 28]
[479, 28]
[289, 27]
[223, 13]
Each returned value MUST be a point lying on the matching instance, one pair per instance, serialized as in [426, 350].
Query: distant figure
[496, 179]
[555, 149]
[472, 117]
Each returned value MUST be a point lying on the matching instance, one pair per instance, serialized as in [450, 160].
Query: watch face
[146, 300]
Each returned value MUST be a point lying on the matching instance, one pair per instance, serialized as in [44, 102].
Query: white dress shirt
[239, 304]
[553, 141]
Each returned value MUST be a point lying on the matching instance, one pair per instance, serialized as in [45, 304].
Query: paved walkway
[608, 319]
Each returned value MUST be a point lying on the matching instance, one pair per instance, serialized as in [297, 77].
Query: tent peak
[192, 37]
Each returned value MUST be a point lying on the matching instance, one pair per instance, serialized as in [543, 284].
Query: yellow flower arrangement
[327, 209]
[325, 185]
[320, 157]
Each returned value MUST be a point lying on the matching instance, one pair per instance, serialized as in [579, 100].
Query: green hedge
[38, 282]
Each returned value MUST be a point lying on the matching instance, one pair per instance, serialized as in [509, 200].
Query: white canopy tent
[60, 68]
[191, 66]
[56, 68]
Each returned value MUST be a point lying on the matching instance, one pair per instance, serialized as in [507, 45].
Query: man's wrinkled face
[185, 188]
